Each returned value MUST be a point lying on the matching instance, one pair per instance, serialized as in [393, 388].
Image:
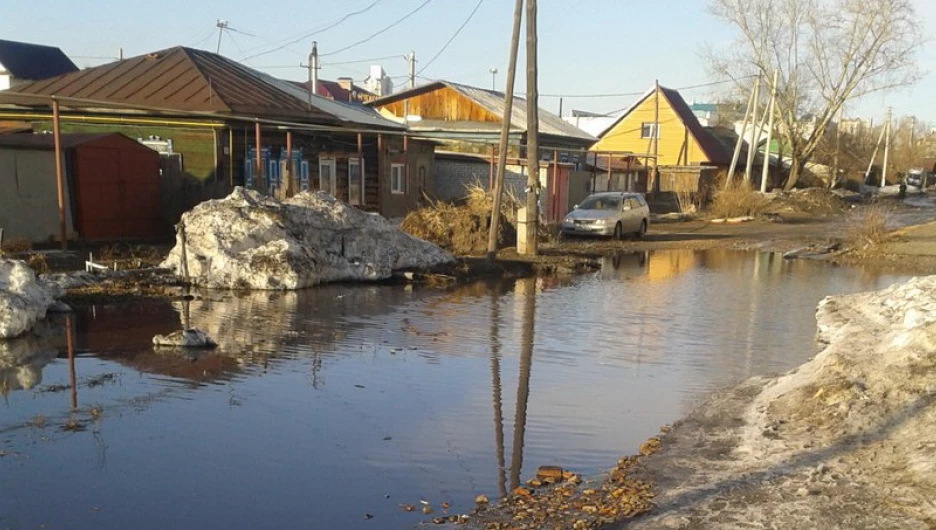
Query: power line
[625, 94]
[459, 30]
[382, 31]
[317, 31]
[358, 61]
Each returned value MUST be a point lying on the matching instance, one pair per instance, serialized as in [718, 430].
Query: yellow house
[683, 141]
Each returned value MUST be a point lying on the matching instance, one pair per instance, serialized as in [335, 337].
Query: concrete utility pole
[887, 142]
[314, 67]
[838, 148]
[771, 109]
[505, 132]
[533, 157]
[411, 57]
[222, 25]
[752, 146]
[737, 151]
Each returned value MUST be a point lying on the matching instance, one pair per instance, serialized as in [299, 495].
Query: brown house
[206, 114]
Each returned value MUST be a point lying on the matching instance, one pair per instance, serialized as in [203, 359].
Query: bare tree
[827, 52]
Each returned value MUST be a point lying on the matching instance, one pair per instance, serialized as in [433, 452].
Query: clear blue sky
[587, 46]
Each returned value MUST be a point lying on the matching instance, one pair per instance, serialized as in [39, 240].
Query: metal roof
[348, 113]
[179, 78]
[47, 142]
[33, 61]
[493, 102]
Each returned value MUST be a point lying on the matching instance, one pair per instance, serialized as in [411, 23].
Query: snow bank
[845, 440]
[248, 241]
[23, 299]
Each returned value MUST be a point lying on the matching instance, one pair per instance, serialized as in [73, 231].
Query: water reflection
[23, 359]
[319, 404]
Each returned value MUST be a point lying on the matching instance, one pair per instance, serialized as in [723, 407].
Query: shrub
[868, 228]
[738, 200]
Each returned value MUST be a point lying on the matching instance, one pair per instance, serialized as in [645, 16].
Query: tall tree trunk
[796, 166]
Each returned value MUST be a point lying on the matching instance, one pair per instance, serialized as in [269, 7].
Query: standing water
[330, 408]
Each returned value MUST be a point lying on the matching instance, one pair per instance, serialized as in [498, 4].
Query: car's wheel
[642, 231]
[618, 232]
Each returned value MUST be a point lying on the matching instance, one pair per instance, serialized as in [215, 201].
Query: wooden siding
[675, 138]
[442, 104]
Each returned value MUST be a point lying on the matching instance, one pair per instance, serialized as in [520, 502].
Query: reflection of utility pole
[72, 378]
[496, 384]
[523, 387]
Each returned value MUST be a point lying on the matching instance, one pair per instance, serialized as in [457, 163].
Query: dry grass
[38, 263]
[463, 228]
[738, 200]
[15, 246]
[868, 228]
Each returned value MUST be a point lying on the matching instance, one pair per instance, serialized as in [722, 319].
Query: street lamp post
[494, 73]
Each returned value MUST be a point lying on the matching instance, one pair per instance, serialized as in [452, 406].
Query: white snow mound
[23, 299]
[249, 241]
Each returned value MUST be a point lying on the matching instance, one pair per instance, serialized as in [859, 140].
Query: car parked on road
[613, 214]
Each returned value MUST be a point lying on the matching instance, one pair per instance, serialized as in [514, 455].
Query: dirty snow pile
[24, 299]
[843, 441]
[248, 241]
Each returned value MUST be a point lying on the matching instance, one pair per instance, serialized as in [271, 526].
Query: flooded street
[329, 408]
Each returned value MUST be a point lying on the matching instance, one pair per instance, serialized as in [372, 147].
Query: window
[646, 130]
[355, 181]
[327, 181]
[397, 179]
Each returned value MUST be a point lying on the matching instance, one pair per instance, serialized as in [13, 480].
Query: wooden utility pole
[533, 157]
[771, 110]
[59, 175]
[505, 132]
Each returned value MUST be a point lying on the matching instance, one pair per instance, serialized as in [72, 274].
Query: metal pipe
[59, 175]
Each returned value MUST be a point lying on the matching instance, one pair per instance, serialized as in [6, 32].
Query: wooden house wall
[442, 104]
[674, 137]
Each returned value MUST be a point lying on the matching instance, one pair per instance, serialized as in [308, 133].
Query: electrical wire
[317, 31]
[375, 59]
[452, 38]
[382, 31]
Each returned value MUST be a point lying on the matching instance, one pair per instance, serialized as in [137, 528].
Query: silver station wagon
[609, 214]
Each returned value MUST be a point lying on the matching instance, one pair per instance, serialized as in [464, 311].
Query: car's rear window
[601, 203]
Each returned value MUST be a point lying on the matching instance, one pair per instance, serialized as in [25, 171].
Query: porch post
[258, 174]
[59, 177]
[289, 188]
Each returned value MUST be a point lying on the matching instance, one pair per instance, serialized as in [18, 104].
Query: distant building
[21, 62]
[343, 90]
[590, 122]
[378, 82]
[706, 113]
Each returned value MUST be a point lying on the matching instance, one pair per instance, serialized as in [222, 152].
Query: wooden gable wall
[674, 136]
[442, 104]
